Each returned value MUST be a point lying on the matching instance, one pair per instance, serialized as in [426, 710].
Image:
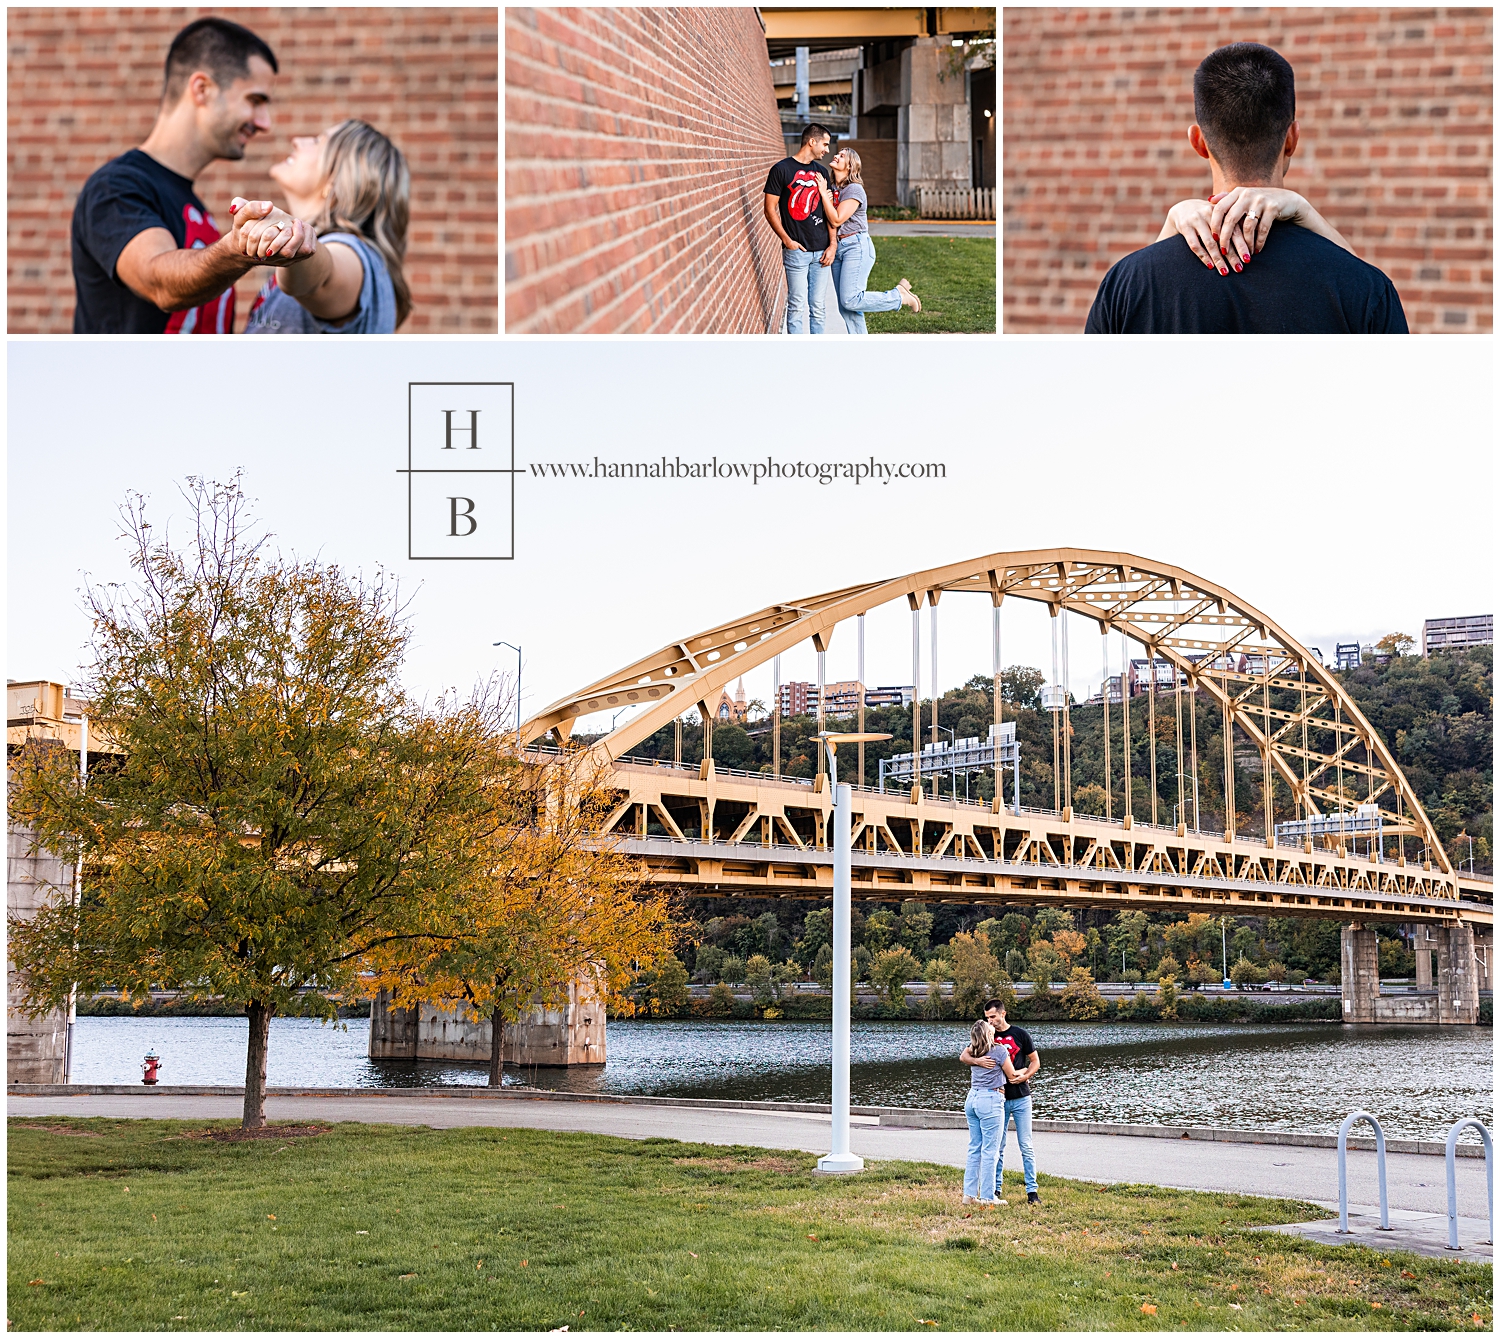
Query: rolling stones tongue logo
[217, 316]
[804, 195]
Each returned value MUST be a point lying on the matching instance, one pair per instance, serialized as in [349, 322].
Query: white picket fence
[956, 204]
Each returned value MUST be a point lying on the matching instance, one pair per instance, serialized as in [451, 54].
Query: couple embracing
[820, 215]
[148, 257]
[1002, 1062]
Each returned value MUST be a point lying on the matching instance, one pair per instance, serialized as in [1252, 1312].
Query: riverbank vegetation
[173, 1225]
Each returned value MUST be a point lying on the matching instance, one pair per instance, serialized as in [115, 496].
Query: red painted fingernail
[1246, 255]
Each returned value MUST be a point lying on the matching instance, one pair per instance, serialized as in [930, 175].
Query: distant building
[1453, 634]
[840, 699]
[1346, 656]
[1139, 676]
[731, 710]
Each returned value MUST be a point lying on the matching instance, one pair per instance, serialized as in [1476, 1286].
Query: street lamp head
[834, 738]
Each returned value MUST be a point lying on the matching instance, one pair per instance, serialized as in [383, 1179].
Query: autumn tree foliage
[282, 814]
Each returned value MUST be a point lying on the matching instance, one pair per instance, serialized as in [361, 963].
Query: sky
[1342, 486]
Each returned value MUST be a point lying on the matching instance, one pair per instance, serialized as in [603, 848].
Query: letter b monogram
[466, 516]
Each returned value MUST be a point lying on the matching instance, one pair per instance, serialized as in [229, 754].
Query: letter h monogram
[472, 429]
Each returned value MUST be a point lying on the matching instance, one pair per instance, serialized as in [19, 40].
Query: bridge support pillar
[1457, 975]
[1360, 973]
[572, 1035]
[1422, 940]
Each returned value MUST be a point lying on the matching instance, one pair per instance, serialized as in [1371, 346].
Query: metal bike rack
[1385, 1214]
[1489, 1176]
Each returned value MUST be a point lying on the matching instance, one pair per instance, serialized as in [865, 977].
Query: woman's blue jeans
[985, 1111]
[851, 271]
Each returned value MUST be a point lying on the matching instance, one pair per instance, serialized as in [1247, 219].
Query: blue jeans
[806, 291]
[985, 1111]
[851, 271]
[1019, 1110]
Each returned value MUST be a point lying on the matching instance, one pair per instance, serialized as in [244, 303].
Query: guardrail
[1449, 1151]
[1385, 1211]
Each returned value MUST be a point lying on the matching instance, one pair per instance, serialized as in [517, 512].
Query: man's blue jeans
[984, 1110]
[1017, 1109]
[851, 271]
[806, 291]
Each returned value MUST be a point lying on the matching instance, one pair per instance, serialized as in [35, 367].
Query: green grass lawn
[149, 1225]
[954, 277]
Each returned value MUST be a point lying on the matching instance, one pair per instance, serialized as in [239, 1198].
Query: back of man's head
[1245, 99]
[218, 48]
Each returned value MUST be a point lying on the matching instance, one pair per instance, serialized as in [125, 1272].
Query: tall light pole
[517, 650]
[840, 1159]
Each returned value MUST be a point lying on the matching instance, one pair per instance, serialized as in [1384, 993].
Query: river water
[1296, 1076]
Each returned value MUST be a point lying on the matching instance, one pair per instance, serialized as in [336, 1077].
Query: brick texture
[637, 142]
[1395, 110]
[84, 87]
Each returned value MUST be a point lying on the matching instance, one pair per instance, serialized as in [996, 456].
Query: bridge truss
[764, 836]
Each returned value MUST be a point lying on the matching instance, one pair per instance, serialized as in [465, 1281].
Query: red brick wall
[84, 87]
[1395, 108]
[637, 142]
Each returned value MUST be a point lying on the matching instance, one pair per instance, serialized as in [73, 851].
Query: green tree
[880, 931]
[1166, 996]
[1275, 971]
[890, 972]
[1081, 997]
[914, 929]
[935, 1004]
[1045, 966]
[669, 990]
[1199, 973]
[720, 1001]
[1246, 973]
[1089, 798]
[759, 977]
[823, 966]
[1168, 966]
[817, 930]
[976, 975]
[280, 809]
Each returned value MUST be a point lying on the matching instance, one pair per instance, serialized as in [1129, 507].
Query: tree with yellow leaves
[555, 904]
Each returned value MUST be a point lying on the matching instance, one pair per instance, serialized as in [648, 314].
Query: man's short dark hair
[994, 1004]
[813, 131]
[1245, 99]
[216, 46]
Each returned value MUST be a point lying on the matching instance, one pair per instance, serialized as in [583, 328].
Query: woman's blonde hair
[855, 166]
[981, 1036]
[368, 192]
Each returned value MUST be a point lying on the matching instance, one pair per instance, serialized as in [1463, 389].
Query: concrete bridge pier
[1457, 975]
[1359, 962]
[572, 1035]
[1452, 998]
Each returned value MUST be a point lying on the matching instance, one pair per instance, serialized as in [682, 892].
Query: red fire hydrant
[149, 1068]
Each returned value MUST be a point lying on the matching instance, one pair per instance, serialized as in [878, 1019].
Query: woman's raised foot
[908, 298]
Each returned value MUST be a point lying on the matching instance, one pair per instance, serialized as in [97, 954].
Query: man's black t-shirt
[1017, 1041]
[124, 198]
[801, 201]
[1299, 284]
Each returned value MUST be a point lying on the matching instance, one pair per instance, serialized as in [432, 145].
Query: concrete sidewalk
[1415, 1181]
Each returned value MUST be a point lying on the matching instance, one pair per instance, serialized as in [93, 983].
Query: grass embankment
[126, 1225]
[954, 277]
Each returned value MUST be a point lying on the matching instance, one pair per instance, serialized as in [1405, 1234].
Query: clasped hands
[268, 235]
[1225, 230]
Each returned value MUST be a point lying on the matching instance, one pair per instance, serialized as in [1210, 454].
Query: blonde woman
[351, 183]
[985, 1108]
[845, 207]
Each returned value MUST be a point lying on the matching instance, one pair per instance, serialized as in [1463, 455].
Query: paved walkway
[957, 228]
[1415, 1181]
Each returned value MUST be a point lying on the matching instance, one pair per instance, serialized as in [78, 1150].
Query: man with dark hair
[1305, 278]
[1017, 1041]
[148, 257]
[794, 209]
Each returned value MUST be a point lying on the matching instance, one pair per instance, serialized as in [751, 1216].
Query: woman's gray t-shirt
[278, 313]
[992, 1080]
[855, 223]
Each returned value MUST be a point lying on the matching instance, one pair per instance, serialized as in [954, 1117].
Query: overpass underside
[714, 832]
